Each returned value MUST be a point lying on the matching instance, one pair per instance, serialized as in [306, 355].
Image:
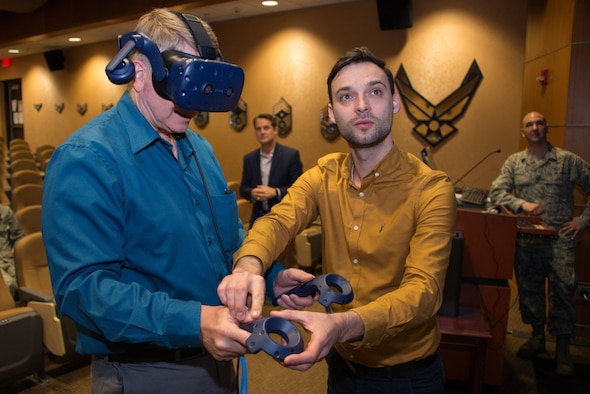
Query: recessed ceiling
[21, 6]
[212, 13]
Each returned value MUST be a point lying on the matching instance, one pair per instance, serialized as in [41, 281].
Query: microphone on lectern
[425, 157]
[476, 165]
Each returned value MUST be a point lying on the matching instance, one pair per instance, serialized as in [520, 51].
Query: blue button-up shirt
[136, 240]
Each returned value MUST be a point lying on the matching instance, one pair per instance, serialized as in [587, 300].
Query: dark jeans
[342, 379]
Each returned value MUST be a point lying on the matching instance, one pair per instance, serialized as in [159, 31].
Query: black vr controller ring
[325, 285]
[261, 340]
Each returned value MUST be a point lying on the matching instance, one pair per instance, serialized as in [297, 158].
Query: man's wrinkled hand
[221, 334]
[243, 291]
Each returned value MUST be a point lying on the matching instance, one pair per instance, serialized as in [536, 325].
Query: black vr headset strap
[201, 37]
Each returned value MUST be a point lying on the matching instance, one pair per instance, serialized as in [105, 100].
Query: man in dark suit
[269, 171]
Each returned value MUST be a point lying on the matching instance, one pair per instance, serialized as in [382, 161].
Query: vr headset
[205, 83]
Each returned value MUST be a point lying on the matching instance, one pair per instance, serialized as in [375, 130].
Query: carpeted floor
[265, 376]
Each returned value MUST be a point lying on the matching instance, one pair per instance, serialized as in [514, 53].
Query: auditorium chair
[29, 218]
[21, 341]
[32, 271]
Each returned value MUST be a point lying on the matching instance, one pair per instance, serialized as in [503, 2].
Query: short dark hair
[272, 118]
[358, 55]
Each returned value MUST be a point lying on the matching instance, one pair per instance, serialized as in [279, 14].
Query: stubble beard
[381, 130]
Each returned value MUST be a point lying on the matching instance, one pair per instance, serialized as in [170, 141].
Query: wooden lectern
[473, 341]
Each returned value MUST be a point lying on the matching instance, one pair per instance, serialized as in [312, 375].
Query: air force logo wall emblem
[434, 123]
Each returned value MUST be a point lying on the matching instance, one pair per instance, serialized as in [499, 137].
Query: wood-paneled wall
[558, 39]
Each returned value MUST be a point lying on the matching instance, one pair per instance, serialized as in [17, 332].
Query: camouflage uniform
[10, 232]
[549, 182]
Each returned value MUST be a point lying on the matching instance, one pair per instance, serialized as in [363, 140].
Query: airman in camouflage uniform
[10, 232]
[539, 181]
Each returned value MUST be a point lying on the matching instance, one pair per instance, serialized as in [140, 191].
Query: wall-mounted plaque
[202, 119]
[82, 108]
[283, 112]
[238, 116]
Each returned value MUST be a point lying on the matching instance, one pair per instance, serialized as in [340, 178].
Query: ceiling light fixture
[13, 51]
[270, 3]
[74, 39]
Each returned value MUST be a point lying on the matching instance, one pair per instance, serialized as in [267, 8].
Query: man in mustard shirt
[387, 223]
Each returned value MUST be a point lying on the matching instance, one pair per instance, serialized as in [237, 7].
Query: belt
[400, 371]
[157, 355]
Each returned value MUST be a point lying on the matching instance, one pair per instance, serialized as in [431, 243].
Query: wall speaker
[55, 59]
[394, 14]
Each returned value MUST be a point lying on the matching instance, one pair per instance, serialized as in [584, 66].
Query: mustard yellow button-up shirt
[391, 238]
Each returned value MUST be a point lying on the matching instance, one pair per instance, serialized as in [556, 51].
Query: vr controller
[332, 289]
[293, 343]
[191, 82]
[261, 340]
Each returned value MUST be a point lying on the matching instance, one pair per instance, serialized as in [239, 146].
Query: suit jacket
[285, 168]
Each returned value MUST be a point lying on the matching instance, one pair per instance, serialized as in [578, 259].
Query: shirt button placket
[355, 261]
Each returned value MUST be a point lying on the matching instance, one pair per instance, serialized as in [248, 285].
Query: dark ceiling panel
[21, 6]
[62, 16]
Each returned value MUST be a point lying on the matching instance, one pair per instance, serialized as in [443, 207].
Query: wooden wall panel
[577, 140]
[556, 135]
[581, 32]
[578, 101]
[549, 26]
[550, 99]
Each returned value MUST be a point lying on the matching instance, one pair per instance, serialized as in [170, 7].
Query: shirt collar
[141, 134]
[389, 165]
[272, 152]
[551, 154]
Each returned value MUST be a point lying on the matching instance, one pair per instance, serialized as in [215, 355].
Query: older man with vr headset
[139, 224]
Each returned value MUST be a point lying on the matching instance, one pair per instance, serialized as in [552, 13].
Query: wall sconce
[543, 77]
